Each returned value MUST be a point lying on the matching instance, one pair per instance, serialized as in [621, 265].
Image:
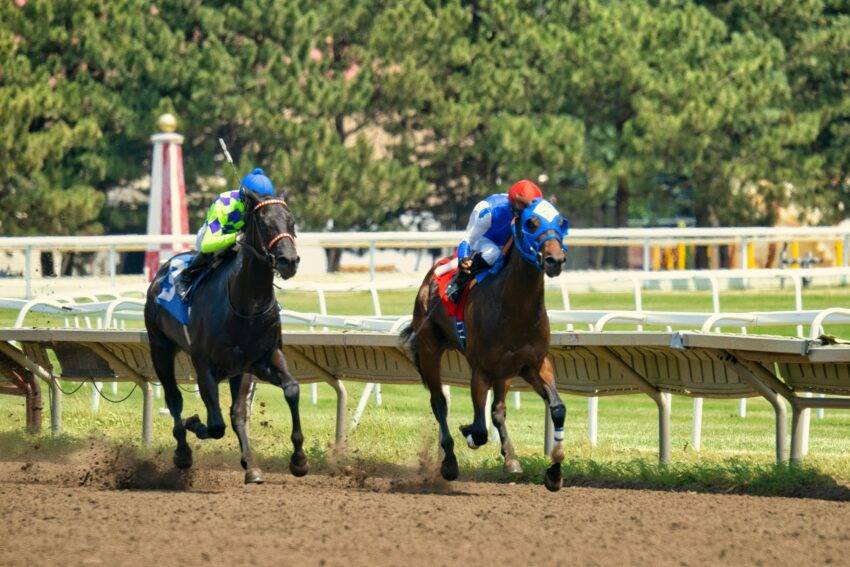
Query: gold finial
[167, 123]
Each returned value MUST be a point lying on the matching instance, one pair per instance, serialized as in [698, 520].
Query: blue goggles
[550, 225]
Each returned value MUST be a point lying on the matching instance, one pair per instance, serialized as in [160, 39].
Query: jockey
[487, 233]
[222, 227]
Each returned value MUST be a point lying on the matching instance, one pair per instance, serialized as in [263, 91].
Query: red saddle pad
[443, 273]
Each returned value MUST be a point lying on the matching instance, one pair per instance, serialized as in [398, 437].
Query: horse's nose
[551, 262]
[552, 265]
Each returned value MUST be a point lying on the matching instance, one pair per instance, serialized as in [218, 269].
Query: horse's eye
[532, 224]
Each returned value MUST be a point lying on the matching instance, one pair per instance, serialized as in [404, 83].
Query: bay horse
[233, 333]
[508, 335]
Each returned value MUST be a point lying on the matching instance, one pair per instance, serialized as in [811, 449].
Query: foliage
[360, 110]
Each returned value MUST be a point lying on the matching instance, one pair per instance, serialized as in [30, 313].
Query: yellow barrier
[795, 253]
[656, 259]
[751, 255]
[681, 256]
[839, 253]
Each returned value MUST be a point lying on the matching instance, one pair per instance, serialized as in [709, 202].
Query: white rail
[643, 237]
[410, 239]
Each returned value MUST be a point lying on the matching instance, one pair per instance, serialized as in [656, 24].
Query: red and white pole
[167, 211]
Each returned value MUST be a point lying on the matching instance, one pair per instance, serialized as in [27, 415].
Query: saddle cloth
[445, 270]
[168, 298]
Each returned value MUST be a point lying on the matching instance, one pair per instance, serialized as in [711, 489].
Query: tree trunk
[702, 212]
[333, 255]
[67, 268]
[46, 258]
[621, 219]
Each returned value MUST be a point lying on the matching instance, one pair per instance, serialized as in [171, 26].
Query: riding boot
[460, 280]
[183, 283]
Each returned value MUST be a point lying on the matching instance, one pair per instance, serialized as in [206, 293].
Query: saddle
[168, 298]
[444, 271]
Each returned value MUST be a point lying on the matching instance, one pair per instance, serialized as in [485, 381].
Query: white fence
[646, 238]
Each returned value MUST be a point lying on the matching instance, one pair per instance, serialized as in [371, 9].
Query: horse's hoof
[192, 422]
[512, 466]
[182, 460]
[472, 440]
[253, 476]
[449, 470]
[553, 479]
[298, 465]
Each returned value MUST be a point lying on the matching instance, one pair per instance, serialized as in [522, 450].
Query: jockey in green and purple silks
[224, 222]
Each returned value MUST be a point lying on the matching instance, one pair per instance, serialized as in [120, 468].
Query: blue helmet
[258, 183]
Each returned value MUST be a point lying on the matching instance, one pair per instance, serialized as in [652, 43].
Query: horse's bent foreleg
[277, 372]
[242, 394]
[162, 355]
[499, 415]
[476, 432]
[208, 386]
[543, 382]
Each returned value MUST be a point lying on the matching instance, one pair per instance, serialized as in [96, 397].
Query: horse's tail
[408, 339]
[422, 312]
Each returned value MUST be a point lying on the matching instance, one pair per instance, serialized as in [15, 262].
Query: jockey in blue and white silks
[487, 233]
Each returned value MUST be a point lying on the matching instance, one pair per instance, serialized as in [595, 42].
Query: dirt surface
[99, 509]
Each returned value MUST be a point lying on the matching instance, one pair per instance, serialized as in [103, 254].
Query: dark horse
[233, 333]
[508, 335]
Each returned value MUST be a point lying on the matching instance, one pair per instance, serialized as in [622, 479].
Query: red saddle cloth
[444, 271]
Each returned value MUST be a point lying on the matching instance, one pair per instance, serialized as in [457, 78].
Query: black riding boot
[460, 280]
[183, 284]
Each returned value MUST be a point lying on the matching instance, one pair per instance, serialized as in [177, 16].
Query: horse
[508, 335]
[233, 333]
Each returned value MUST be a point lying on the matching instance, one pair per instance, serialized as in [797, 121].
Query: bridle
[266, 253]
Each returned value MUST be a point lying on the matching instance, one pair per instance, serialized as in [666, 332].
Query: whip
[228, 157]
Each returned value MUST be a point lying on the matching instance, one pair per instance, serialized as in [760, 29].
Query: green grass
[737, 454]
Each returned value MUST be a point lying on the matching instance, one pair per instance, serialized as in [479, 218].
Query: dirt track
[74, 513]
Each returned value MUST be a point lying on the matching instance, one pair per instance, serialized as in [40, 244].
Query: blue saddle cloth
[168, 298]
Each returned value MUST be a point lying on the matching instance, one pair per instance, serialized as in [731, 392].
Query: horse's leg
[276, 372]
[208, 386]
[499, 414]
[242, 394]
[428, 361]
[543, 382]
[162, 354]
[476, 432]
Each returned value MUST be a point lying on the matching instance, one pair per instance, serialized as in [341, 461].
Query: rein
[264, 255]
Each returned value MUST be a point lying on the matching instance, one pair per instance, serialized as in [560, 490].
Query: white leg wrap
[559, 434]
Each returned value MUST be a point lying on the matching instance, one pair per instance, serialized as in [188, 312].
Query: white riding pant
[488, 249]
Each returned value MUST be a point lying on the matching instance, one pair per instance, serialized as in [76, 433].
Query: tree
[466, 103]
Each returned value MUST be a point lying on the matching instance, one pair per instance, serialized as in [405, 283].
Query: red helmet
[524, 190]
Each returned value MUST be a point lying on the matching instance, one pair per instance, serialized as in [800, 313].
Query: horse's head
[270, 230]
[539, 232]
